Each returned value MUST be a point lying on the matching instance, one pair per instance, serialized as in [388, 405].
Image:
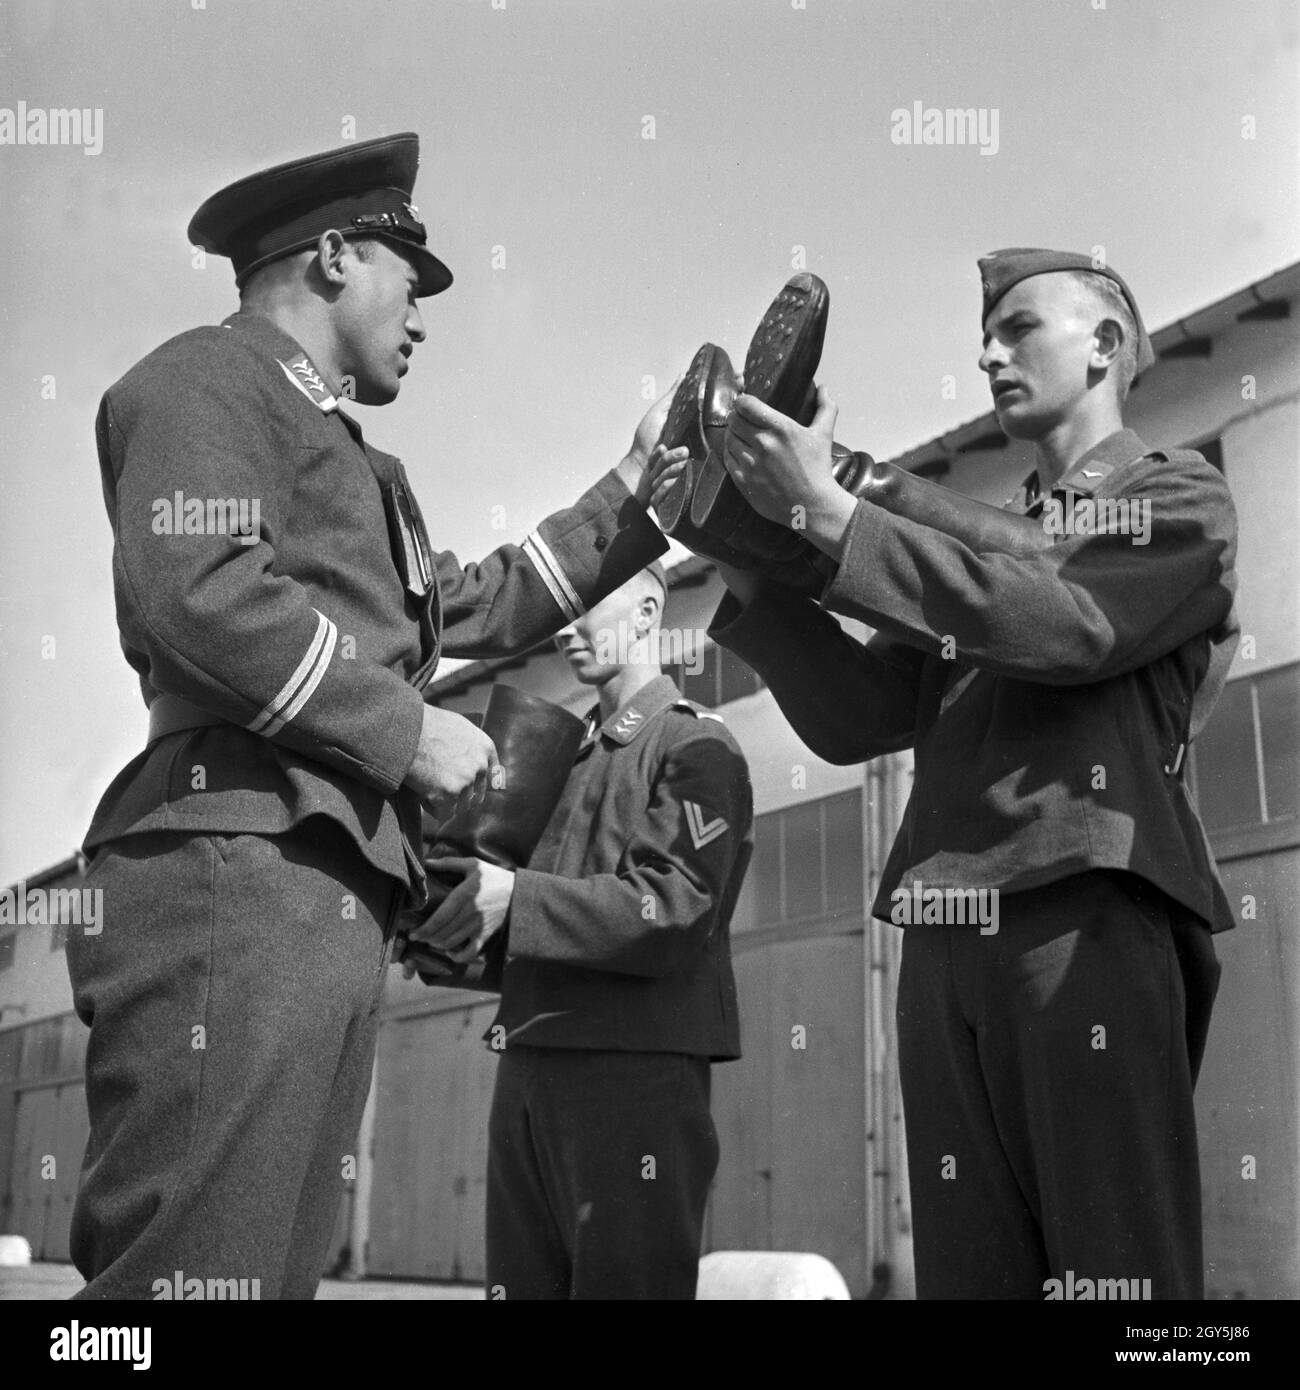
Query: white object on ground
[14, 1250]
[747, 1274]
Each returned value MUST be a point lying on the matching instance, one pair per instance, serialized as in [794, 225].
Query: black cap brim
[362, 189]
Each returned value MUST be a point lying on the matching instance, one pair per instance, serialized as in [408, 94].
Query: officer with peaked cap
[283, 609]
[1048, 1046]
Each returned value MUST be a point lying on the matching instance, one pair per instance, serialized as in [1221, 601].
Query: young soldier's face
[609, 637]
[378, 323]
[1038, 354]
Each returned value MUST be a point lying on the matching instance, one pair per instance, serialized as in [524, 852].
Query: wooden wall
[790, 1113]
[43, 1131]
[1248, 1096]
[434, 1078]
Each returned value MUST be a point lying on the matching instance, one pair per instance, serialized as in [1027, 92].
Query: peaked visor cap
[362, 189]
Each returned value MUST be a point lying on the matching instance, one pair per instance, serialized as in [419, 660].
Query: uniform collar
[1089, 472]
[626, 723]
[294, 364]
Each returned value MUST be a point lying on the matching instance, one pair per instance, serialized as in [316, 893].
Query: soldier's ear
[331, 250]
[1107, 342]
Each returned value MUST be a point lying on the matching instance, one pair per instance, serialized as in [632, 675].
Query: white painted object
[14, 1251]
[748, 1274]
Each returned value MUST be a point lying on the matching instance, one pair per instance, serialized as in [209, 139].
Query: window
[1277, 713]
[808, 860]
[801, 860]
[842, 844]
[765, 871]
[1245, 767]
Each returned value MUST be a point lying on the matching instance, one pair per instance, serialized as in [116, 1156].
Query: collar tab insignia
[627, 725]
[302, 372]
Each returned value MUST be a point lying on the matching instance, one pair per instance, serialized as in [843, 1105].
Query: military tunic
[315, 640]
[617, 992]
[1050, 700]
[254, 857]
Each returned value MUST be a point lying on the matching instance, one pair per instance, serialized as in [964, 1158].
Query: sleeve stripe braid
[300, 687]
[553, 576]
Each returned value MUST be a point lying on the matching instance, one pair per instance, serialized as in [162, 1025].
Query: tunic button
[601, 542]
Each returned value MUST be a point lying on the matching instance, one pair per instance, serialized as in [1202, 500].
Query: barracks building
[810, 1123]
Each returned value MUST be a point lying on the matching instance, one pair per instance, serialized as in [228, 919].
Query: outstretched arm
[847, 700]
[521, 594]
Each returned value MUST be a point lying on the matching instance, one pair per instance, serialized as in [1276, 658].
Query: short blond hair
[1102, 294]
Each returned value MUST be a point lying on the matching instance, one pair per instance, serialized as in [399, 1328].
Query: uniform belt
[169, 714]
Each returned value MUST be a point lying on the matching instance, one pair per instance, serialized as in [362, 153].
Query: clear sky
[1121, 124]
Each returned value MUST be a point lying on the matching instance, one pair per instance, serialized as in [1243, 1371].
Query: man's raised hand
[784, 470]
[635, 466]
[777, 463]
[664, 469]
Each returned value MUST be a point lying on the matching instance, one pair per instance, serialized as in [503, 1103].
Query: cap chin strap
[349, 235]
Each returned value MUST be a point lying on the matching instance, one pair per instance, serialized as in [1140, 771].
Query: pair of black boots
[707, 512]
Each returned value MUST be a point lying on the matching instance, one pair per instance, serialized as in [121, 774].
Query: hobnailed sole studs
[682, 427]
[786, 348]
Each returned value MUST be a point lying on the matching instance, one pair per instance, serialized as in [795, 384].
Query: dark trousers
[599, 1166]
[1047, 1075]
[232, 1001]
